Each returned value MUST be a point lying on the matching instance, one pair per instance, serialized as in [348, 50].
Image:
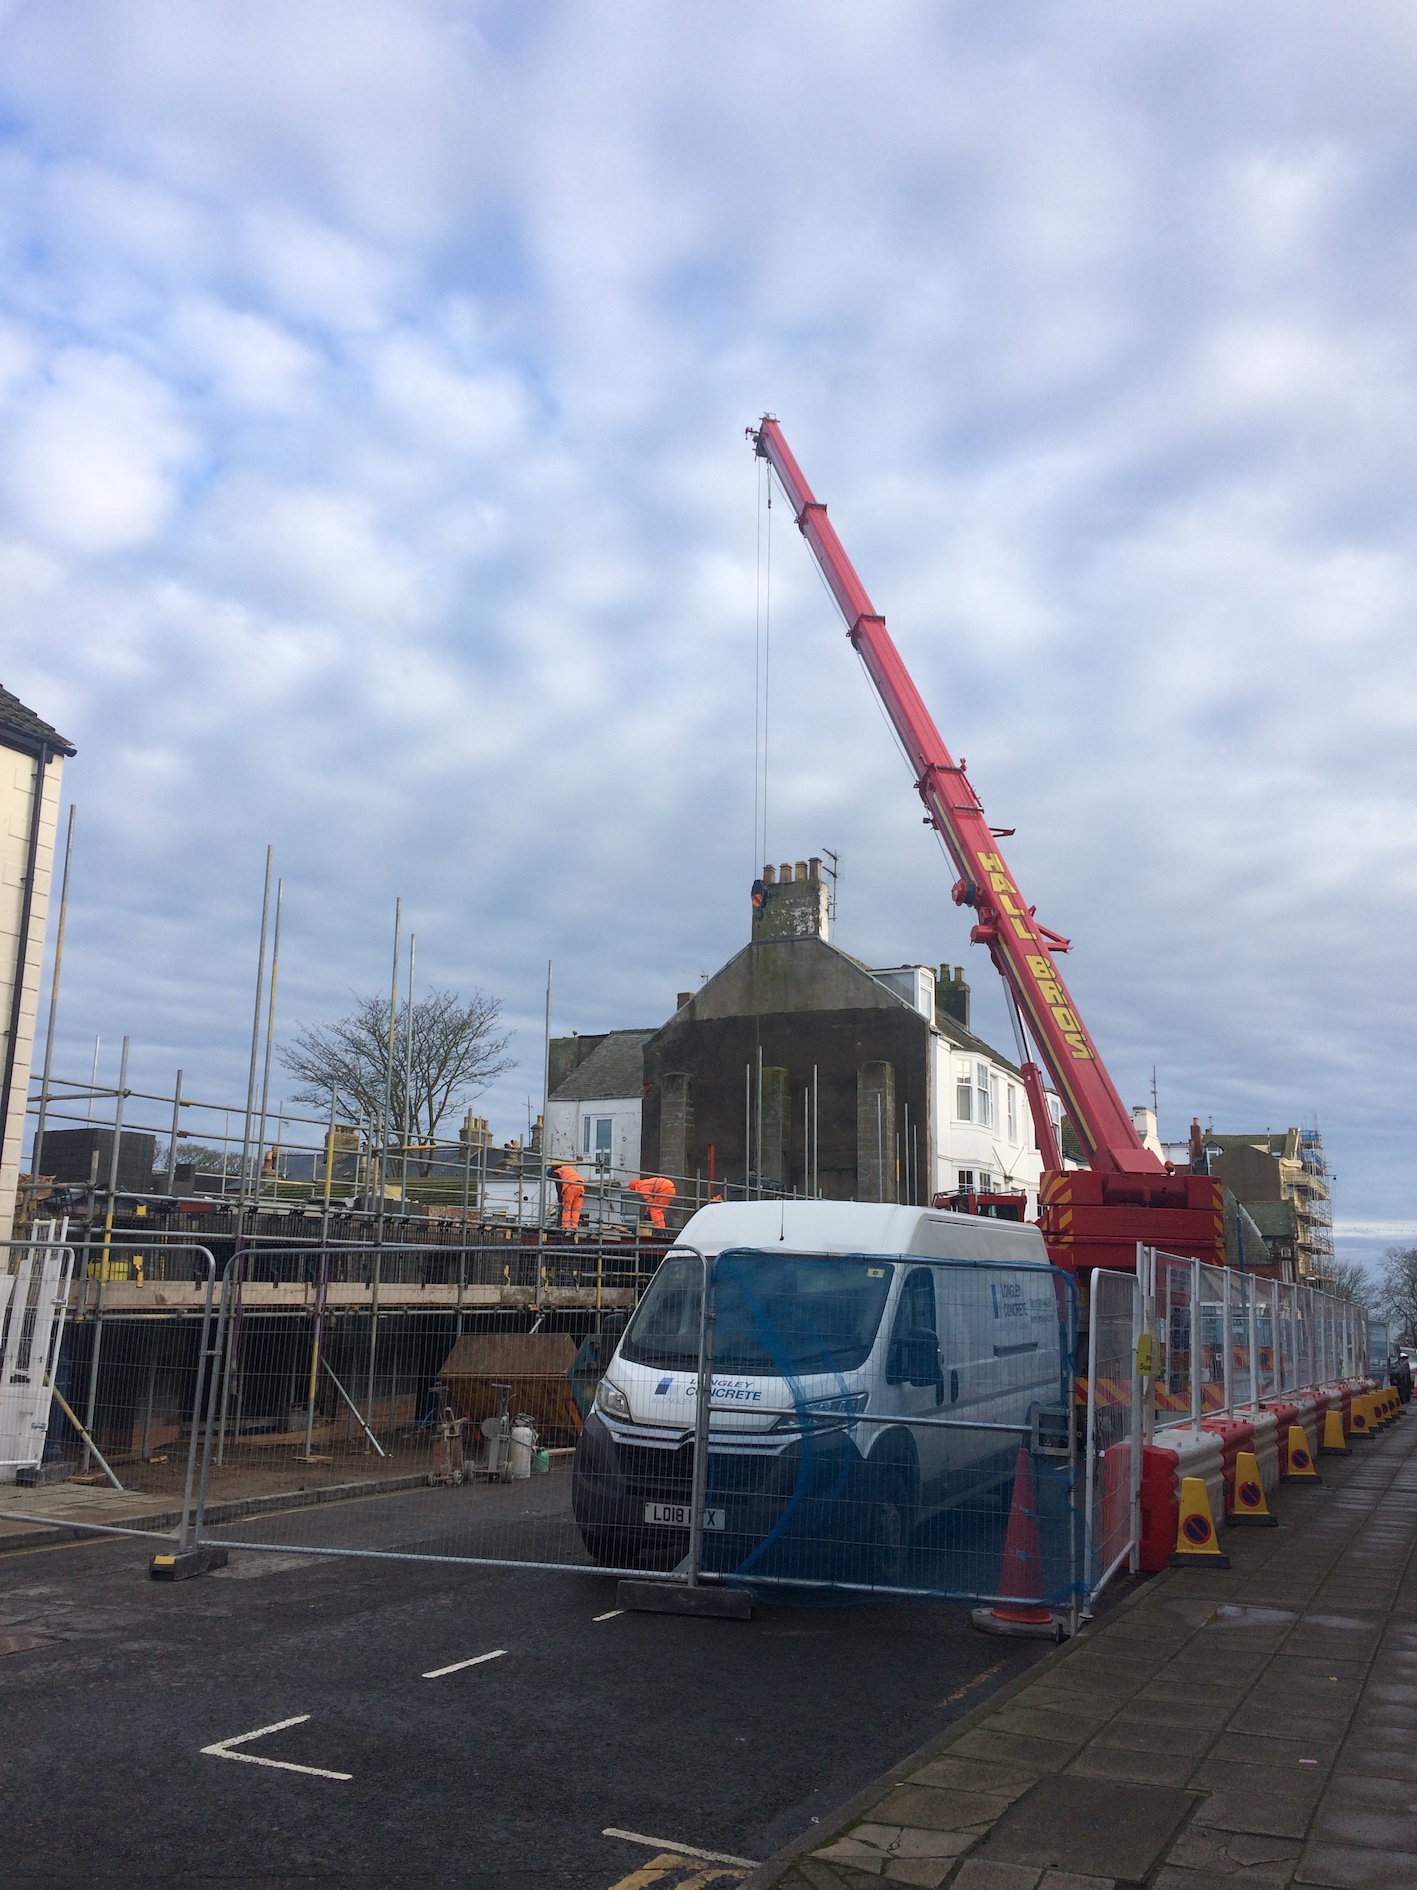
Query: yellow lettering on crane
[1021, 927]
[1051, 991]
[990, 863]
[1000, 882]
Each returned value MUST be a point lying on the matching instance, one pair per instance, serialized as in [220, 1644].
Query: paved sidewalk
[1256, 1727]
[59, 1510]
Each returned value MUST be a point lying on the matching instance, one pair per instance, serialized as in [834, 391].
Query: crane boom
[1022, 949]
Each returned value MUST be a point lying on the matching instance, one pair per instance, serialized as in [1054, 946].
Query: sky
[373, 384]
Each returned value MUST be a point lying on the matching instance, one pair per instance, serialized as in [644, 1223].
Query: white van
[874, 1368]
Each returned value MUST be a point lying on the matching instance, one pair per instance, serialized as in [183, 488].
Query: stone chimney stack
[952, 994]
[791, 901]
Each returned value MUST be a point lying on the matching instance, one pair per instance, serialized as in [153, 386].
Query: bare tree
[211, 1161]
[457, 1051]
[1346, 1279]
[1397, 1291]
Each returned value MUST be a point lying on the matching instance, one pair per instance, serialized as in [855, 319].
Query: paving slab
[1099, 1827]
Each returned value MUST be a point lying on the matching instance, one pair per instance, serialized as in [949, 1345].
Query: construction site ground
[1254, 1726]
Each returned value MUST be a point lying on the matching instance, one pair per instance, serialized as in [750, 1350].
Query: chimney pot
[769, 875]
[785, 872]
[800, 871]
[814, 868]
[682, 999]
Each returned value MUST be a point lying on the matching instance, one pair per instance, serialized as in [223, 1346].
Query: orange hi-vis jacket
[656, 1191]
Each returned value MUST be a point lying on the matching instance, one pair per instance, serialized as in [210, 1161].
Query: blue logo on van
[662, 1387]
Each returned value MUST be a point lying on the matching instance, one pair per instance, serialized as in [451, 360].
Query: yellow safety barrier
[1196, 1546]
[1334, 1444]
[1301, 1462]
[1249, 1506]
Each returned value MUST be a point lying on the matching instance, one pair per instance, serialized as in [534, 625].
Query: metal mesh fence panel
[1265, 1370]
[1113, 1433]
[1173, 1312]
[1210, 1362]
[450, 1384]
[892, 1424]
[1282, 1337]
[1242, 1383]
[34, 1303]
[129, 1370]
[1285, 1350]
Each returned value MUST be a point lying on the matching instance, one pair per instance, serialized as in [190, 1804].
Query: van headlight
[812, 1413]
[612, 1401]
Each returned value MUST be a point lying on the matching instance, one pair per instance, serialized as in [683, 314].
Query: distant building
[798, 1068]
[594, 1114]
[32, 756]
[1281, 1177]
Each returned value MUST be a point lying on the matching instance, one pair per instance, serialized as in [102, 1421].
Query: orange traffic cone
[1334, 1444]
[1250, 1507]
[1021, 1571]
[1196, 1546]
[1301, 1461]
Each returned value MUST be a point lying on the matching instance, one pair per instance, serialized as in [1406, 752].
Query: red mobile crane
[1092, 1218]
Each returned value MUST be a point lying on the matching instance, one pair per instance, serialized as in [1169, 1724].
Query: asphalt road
[729, 1737]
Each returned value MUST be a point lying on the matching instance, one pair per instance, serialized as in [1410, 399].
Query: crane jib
[1020, 947]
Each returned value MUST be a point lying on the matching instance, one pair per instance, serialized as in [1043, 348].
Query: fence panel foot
[181, 1564]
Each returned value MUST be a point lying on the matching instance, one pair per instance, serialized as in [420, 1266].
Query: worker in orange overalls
[656, 1192]
[570, 1192]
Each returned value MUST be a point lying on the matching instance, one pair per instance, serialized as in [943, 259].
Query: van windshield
[775, 1315]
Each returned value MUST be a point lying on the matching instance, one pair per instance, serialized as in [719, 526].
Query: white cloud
[372, 380]
[92, 453]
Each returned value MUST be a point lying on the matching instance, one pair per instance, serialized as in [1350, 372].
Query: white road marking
[437, 1672]
[222, 1750]
[684, 1850]
[607, 1617]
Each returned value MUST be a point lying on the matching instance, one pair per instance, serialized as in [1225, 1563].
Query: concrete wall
[17, 784]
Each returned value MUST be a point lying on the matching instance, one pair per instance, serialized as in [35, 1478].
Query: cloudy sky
[373, 377]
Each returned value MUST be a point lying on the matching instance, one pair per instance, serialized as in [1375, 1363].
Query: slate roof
[615, 1067]
[1271, 1140]
[21, 728]
[1274, 1218]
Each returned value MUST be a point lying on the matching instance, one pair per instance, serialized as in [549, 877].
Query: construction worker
[656, 1192]
[570, 1192]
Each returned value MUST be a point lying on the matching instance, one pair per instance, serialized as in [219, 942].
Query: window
[914, 1313]
[585, 1135]
[964, 1096]
[986, 1181]
[981, 1094]
[1013, 1113]
[966, 1181]
[774, 1315]
[604, 1125]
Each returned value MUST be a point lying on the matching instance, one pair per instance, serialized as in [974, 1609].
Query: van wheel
[891, 1522]
[608, 1547]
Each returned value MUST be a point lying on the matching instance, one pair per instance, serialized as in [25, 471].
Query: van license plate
[677, 1515]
